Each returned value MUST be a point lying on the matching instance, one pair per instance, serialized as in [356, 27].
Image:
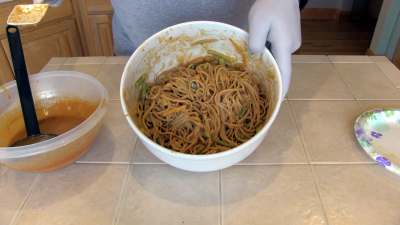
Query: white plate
[378, 132]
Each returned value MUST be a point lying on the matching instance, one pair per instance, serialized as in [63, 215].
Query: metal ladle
[24, 91]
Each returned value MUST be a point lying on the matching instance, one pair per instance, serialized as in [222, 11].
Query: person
[275, 21]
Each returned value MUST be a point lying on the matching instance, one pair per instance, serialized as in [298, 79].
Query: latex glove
[277, 21]
[52, 3]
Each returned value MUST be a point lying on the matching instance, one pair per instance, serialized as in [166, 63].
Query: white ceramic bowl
[172, 47]
[48, 89]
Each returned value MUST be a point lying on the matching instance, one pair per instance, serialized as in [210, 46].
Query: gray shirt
[136, 20]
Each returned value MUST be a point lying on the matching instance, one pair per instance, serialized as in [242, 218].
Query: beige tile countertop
[310, 168]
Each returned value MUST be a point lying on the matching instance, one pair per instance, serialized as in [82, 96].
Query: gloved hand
[277, 21]
[52, 3]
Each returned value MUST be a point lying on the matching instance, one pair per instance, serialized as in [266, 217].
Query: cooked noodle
[204, 108]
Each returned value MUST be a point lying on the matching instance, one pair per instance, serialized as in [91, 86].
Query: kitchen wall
[387, 33]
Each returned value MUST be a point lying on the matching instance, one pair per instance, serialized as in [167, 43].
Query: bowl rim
[185, 156]
[73, 134]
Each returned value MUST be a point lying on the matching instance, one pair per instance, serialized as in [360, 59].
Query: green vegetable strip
[140, 80]
[200, 149]
[228, 64]
[206, 134]
[222, 143]
[222, 62]
[205, 66]
[241, 114]
[213, 52]
[158, 141]
[259, 128]
[194, 85]
[144, 90]
[203, 41]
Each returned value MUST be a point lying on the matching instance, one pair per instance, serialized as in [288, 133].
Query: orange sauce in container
[55, 118]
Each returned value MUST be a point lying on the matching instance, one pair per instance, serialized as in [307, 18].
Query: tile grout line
[101, 67]
[238, 164]
[122, 194]
[125, 182]
[309, 164]
[107, 163]
[269, 164]
[319, 195]
[386, 74]
[149, 163]
[26, 199]
[134, 150]
[345, 83]
[358, 100]
[299, 132]
[344, 163]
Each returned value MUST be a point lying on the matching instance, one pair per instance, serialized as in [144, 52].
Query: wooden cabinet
[101, 29]
[57, 35]
[76, 28]
[56, 40]
[96, 16]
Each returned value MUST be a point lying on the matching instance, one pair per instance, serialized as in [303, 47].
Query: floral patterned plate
[378, 132]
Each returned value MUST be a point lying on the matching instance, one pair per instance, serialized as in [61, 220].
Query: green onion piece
[207, 40]
[200, 149]
[216, 57]
[206, 134]
[194, 85]
[144, 90]
[205, 66]
[222, 62]
[259, 128]
[140, 80]
[222, 143]
[241, 114]
[245, 125]
[213, 52]
[158, 140]
[242, 135]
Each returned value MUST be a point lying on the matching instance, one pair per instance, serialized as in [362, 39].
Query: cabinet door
[56, 40]
[101, 29]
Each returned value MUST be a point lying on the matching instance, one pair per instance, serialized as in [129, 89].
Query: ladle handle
[23, 85]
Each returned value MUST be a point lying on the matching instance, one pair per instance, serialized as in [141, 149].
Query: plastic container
[172, 47]
[48, 89]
